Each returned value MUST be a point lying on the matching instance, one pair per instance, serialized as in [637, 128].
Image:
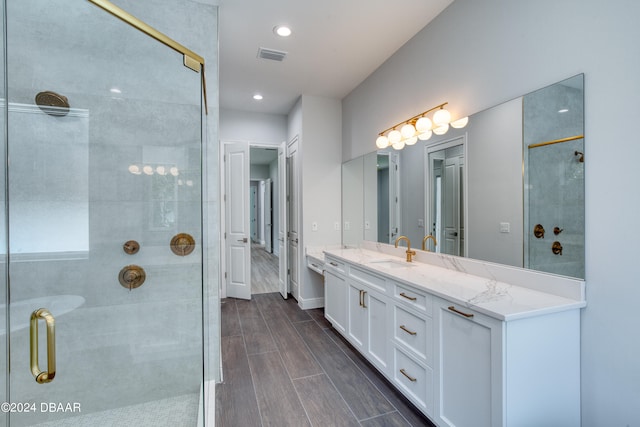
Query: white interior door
[282, 220]
[450, 206]
[238, 249]
[293, 211]
[267, 215]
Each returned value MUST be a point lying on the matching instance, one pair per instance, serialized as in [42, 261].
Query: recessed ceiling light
[257, 97]
[282, 30]
[115, 90]
[564, 110]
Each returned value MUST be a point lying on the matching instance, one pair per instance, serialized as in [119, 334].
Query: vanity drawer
[412, 298]
[415, 332]
[338, 266]
[373, 280]
[415, 380]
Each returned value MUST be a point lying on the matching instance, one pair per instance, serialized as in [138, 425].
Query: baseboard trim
[309, 303]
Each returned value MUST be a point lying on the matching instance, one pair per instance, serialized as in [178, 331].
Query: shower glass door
[104, 197]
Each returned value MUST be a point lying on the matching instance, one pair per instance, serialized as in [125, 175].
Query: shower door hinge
[288, 272]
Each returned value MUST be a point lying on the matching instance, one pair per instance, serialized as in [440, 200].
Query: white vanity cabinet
[511, 358]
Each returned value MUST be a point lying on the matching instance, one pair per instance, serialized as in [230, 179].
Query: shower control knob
[556, 248]
[131, 247]
[132, 276]
[182, 244]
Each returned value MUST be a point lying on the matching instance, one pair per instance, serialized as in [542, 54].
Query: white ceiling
[335, 45]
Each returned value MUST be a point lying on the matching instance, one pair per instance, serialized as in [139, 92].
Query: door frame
[443, 145]
[223, 205]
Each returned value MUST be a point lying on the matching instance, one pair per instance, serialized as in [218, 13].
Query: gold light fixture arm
[191, 59]
[414, 118]
[48, 375]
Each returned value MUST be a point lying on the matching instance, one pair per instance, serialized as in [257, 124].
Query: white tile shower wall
[150, 337]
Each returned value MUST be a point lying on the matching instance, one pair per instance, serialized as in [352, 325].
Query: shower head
[52, 103]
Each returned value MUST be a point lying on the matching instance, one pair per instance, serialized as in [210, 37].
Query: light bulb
[441, 130]
[398, 145]
[408, 130]
[425, 135]
[423, 124]
[174, 171]
[460, 123]
[394, 137]
[411, 141]
[382, 142]
[134, 169]
[441, 117]
[161, 170]
[148, 170]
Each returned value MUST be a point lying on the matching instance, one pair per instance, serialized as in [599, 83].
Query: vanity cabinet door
[357, 316]
[335, 297]
[470, 368]
[368, 324]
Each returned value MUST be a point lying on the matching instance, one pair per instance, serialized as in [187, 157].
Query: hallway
[264, 270]
[287, 367]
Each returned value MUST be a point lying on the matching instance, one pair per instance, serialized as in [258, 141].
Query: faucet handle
[410, 255]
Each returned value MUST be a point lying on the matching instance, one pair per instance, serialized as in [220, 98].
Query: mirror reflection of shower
[554, 177]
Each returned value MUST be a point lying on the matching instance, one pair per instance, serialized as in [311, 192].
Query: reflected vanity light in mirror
[419, 127]
[151, 169]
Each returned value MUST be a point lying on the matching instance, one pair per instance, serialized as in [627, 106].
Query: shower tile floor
[173, 412]
[284, 366]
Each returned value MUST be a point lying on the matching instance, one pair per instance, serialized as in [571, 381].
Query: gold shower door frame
[190, 59]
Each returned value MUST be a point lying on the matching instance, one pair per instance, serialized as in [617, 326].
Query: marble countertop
[503, 301]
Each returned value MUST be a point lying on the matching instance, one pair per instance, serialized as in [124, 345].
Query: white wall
[479, 54]
[317, 122]
[256, 128]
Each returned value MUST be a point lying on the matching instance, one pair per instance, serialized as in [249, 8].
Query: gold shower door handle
[48, 375]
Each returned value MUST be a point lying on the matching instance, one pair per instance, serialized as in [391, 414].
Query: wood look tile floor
[283, 366]
[264, 270]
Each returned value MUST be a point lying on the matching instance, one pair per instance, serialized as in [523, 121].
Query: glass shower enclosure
[101, 239]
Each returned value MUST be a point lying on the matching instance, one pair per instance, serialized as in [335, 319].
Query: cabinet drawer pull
[404, 328]
[360, 302]
[452, 308]
[335, 264]
[403, 372]
[402, 294]
[364, 293]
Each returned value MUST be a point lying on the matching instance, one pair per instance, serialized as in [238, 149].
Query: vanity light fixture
[419, 127]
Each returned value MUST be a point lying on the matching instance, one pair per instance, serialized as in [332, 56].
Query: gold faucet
[424, 242]
[410, 253]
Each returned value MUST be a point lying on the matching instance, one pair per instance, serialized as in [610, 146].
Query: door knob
[243, 240]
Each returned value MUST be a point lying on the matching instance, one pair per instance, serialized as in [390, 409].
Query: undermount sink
[388, 263]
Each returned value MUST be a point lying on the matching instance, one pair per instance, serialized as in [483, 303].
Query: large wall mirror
[508, 188]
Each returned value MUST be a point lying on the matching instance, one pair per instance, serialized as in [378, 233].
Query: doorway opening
[264, 219]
